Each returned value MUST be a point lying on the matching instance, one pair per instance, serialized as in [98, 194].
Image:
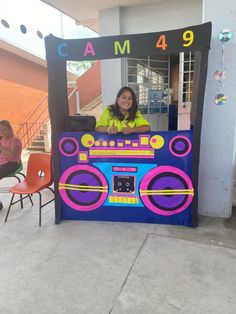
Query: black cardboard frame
[59, 50]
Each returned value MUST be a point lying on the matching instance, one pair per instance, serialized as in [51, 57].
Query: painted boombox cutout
[149, 172]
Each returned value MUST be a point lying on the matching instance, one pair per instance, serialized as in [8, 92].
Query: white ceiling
[86, 12]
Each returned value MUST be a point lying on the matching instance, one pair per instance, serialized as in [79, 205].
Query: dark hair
[6, 124]
[115, 111]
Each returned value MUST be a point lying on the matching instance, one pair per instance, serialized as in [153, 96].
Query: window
[144, 75]
[186, 77]
[149, 78]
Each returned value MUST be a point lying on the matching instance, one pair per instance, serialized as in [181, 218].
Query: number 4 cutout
[161, 43]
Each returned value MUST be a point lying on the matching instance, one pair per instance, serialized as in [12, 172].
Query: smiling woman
[123, 116]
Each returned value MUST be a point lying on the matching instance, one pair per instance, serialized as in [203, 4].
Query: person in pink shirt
[10, 151]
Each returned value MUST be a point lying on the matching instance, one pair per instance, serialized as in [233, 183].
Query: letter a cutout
[89, 49]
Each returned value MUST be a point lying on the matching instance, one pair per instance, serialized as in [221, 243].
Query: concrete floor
[82, 267]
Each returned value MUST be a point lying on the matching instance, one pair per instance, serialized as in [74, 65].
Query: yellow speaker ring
[87, 140]
[157, 141]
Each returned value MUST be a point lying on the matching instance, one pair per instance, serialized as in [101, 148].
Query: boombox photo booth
[151, 177]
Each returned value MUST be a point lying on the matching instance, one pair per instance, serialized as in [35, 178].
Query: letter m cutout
[118, 49]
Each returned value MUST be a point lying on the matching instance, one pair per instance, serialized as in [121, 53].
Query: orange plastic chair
[38, 177]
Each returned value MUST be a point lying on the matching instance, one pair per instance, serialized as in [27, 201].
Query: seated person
[123, 116]
[10, 151]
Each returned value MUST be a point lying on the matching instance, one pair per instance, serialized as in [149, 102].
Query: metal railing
[32, 127]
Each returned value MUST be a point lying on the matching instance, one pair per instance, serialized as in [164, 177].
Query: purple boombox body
[140, 177]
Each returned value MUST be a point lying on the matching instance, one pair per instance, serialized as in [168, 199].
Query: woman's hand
[9, 152]
[141, 129]
[112, 129]
[127, 129]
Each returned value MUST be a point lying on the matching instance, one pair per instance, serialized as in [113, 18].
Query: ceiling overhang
[87, 12]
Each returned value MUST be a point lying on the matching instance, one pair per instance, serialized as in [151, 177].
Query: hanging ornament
[220, 75]
[220, 99]
[225, 35]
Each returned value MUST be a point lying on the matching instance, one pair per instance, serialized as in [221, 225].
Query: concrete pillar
[217, 156]
[111, 70]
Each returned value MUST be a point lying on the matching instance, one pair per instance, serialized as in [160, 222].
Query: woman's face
[4, 132]
[125, 101]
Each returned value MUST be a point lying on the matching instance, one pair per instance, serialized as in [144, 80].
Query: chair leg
[12, 198]
[41, 205]
[30, 199]
[40, 208]
[21, 201]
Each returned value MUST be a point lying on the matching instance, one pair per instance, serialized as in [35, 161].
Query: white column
[217, 155]
[111, 70]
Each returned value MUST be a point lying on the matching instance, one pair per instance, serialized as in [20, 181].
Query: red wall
[17, 101]
[23, 84]
[21, 71]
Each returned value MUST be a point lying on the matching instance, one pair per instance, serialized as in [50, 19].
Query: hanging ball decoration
[220, 99]
[225, 35]
[219, 75]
